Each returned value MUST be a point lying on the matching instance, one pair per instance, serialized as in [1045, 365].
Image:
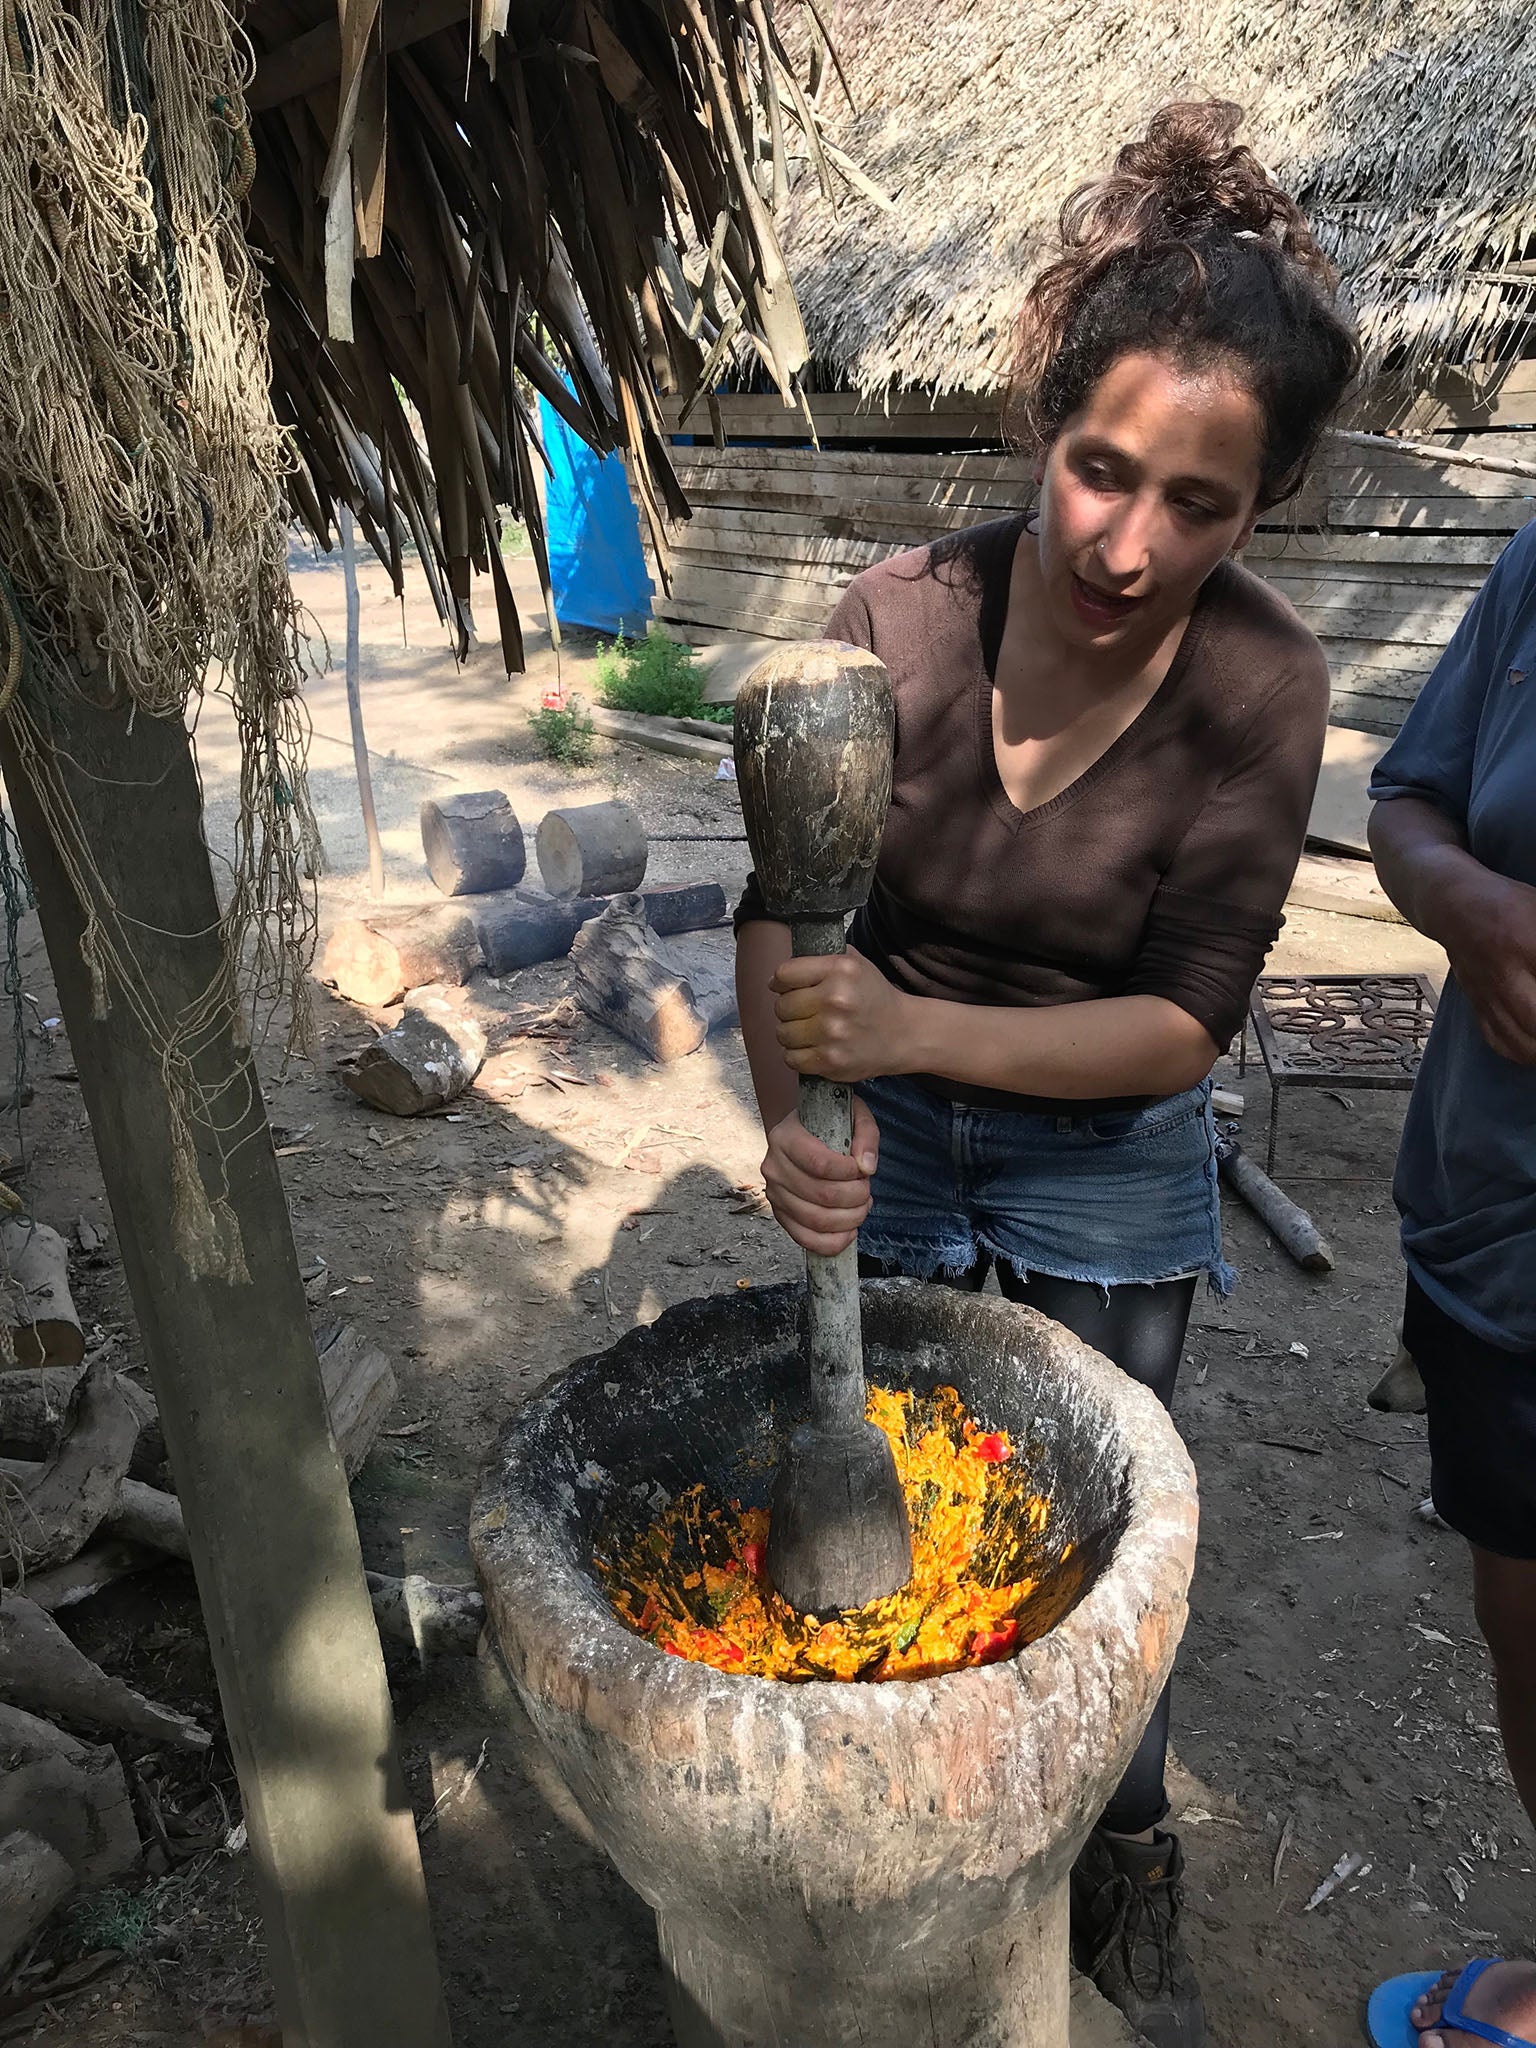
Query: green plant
[565, 736]
[657, 676]
[116, 1918]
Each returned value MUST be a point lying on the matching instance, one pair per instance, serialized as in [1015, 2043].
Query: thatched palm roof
[457, 201]
[1405, 126]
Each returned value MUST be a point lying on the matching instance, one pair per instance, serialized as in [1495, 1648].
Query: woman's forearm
[1114, 1046]
[1423, 864]
[762, 947]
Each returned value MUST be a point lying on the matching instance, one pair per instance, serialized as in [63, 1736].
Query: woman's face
[1142, 493]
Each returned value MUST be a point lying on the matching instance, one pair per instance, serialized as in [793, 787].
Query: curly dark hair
[1189, 249]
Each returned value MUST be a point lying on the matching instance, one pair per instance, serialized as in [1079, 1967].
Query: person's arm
[1210, 923]
[762, 947]
[843, 1019]
[1422, 788]
[1485, 922]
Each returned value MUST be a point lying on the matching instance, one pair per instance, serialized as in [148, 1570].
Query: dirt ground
[1333, 1697]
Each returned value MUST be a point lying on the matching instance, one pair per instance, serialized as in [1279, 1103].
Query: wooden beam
[269, 1522]
[314, 58]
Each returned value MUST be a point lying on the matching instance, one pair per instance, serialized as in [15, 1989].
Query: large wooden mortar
[882, 1864]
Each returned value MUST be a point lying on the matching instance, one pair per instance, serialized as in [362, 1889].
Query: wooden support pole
[355, 707]
[269, 1522]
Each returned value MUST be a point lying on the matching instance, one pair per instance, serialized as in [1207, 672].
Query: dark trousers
[1140, 1329]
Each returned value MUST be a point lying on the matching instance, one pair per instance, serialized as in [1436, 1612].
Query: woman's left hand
[839, 1017]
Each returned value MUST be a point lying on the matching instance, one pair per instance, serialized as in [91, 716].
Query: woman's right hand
[818, 1195]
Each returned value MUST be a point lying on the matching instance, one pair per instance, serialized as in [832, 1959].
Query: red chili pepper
[989, 1646]
[754, 1556]
[993, 1449]
[671, 1650]
[650, 1614]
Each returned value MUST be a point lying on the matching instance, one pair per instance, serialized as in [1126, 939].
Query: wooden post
[269, 1522]
[355, 708]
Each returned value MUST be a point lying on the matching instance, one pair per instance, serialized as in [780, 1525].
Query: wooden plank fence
[1381, 555]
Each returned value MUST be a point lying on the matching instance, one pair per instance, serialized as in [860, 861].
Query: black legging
[1140, 1329]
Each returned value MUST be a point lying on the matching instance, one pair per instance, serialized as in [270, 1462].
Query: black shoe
[1126, 1901]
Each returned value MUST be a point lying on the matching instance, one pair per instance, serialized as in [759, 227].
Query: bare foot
[1504, 1996]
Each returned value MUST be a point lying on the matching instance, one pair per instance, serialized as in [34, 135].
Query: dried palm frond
[569, 199]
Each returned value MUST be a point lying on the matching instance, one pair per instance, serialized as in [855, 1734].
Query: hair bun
[1191, 165]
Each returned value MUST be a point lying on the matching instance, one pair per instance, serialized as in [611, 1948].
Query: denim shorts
[1127, 1197]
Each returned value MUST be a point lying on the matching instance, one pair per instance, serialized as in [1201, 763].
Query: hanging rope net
[143, 490]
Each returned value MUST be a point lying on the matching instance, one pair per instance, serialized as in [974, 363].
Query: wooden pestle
[813, 739]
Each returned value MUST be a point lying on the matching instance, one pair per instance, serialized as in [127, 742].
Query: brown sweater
[1160, 871]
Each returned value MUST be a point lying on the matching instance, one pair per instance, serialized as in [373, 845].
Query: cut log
[430, 1057]
[148, 1516]
[1275, 1209]
[663, 735]
[432, 1620]
[139, 1514]
[101, 1564]
[149, 1461]
[375, 960]
[683, 907]
[710, 971]
[57, 1513]
[627, 980]
[521, 927]
[34, 1407]
[473, 843]
[33, 1879]
[592, 850]
[35, 1300]
[360, 1390]
[43, 1672]
[69, 1794]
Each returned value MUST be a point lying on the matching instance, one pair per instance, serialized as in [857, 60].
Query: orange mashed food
[693, 1581]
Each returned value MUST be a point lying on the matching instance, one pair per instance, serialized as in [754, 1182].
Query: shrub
[565, 736]
[657, 676]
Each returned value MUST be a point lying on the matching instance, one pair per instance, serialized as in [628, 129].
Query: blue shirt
[1466, 1173]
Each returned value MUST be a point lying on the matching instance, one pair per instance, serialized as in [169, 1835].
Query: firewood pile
[87, 1497]
[634, 969]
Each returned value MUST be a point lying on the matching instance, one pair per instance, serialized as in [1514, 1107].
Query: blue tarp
[595, 562]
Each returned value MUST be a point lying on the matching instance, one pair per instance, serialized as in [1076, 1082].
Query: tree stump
[429, 1058]
[375, 960]
[34, 1408]
[35, 1302]
[473, 843]
[69, 1794]
[33, 1879]
[592, 850]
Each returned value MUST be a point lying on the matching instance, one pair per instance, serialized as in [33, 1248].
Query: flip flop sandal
[1387, 2017]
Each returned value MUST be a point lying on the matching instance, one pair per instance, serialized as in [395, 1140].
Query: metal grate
[1320, 1030]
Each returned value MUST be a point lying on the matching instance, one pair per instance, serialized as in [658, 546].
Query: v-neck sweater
[1160, 871]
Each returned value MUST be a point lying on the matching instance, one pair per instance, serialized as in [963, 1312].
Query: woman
[1453, 832]
[1107, 740]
